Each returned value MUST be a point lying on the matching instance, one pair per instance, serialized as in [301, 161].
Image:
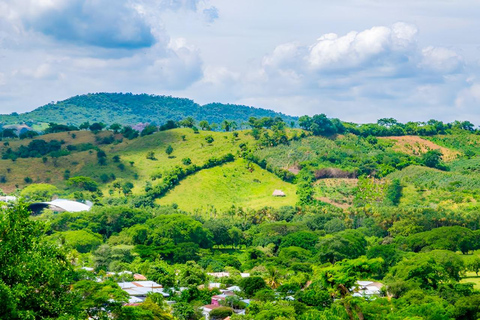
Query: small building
[216, 299]
[140, 289]
[367, 289]
[139, 277]
[8, 199]
[278, 193]
[61, 205]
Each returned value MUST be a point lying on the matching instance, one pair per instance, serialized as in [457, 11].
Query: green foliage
[252, 285]
[348, 244]
[169, 150]
[433, 159]
[394, 192]
[39, 192]
[80, 240]
[220, 313]
[85, 183]
[40, 288]
[129, 108]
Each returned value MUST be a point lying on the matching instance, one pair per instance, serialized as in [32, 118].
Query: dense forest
[254, 218]
[131, 109]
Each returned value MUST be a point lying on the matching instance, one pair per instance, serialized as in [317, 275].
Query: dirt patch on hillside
[334, 203]
[327, 173]
[417, 146]
[294, 169]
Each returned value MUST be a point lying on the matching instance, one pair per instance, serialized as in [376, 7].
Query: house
[138, 290]
[226, 274]
[139, 277]
[278, 193]
[367, 289]
[216, 299]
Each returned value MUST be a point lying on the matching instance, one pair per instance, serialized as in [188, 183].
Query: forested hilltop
[187, 219]
[131, 109]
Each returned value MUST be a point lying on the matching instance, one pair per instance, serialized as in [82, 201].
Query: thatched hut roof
[278, 193]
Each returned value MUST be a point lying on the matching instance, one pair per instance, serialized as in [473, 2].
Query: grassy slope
[230, 184]
[338, 192]
[85, 163]
[432, 187]
[416, 146]
[298, 151]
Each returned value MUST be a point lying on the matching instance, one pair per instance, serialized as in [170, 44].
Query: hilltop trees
[320, 125]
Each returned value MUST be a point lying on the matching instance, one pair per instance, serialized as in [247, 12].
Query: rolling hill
[131, 109]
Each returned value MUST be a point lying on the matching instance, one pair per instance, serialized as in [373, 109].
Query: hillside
[131, 109]
[231, 184]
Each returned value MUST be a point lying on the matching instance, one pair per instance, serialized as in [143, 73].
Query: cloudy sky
[358, 60]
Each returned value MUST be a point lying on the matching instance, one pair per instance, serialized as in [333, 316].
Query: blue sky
[356, 60]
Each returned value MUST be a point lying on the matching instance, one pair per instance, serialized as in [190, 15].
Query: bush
[252, 285]
[221, 313]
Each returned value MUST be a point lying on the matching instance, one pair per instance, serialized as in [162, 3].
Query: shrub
[221, 313]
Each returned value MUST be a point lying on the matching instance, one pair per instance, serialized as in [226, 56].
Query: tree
[209, 139]
[85, 183]
[84, 125]
[115, 127]
[252, 284]
[97, 126]
[148, 130]
[39, 192]
[161, 272]
[97, 300]
[192, 274]
[432, 158]
[40, 288]
[184, 311]
[343, 276]
[204, 125]
[81, 240]
[188, 122]
[348, 244]
[315, 296]
[474, 264]
[169, 150]
[226, 125]
[151, 155]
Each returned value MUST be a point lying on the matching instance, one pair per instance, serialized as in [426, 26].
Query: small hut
[279, 193]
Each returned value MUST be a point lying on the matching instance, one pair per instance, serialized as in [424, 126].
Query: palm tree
[273, 277]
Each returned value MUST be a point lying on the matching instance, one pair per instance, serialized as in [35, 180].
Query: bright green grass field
[472, 278]
[231, 184]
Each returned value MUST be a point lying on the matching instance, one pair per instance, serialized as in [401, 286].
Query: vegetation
[190, 205]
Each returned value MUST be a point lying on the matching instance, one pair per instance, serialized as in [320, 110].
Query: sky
[357, 60]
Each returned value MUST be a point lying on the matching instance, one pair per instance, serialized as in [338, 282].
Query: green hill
[231, 184]
[130, 109]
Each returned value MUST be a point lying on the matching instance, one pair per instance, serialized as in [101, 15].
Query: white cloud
[441, 60]
[99, 23]
[469, 97]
